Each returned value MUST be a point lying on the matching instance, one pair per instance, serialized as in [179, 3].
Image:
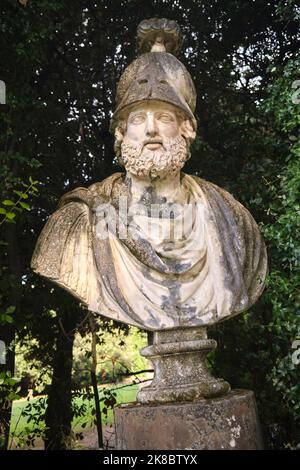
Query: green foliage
[9, 211]
[6, 317]
[283, 238]
[7, 383]
[116, 355]
[33, 415]
[8, 393]
[28, 426]
[61, 76]
[18, 205]
[256, 350]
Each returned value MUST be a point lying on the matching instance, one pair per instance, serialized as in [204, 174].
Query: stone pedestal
[185, 407]
[228, 422]
[178, 356]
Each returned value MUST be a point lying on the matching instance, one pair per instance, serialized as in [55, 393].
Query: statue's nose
[151, 129]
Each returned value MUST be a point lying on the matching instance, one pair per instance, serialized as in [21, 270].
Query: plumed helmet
[156, 74]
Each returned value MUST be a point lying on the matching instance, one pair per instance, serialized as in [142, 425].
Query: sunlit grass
[21, 426]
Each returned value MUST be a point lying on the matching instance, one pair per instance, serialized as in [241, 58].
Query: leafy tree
[9, 209]
[256, 349]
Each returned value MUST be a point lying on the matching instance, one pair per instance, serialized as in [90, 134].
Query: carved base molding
[180, 372]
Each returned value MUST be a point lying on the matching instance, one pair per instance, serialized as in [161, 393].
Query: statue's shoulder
[103, 189]
[215, 193]
[209, 186]
[66, 235]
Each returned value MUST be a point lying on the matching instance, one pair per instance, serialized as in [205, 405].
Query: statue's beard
[167, 160]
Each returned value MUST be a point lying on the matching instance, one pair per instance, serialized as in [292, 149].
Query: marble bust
[154, 247]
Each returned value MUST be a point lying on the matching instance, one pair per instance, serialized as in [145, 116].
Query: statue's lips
[153, 145]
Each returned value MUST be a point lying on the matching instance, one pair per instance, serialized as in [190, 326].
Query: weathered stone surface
[213, 274]
[180, 372]
[229, 422]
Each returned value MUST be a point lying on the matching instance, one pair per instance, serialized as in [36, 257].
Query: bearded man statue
[154, 247]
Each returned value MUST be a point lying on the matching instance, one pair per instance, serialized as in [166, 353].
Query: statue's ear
[187, 130]
[119, 136]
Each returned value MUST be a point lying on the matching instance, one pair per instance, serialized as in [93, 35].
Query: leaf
[2, 210]
[10, 309]
[10, 215]
[25, 205]
[9, 319]
[21, 194]
[8, 202]
[31, 180]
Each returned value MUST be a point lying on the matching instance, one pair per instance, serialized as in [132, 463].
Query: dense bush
[255, 351]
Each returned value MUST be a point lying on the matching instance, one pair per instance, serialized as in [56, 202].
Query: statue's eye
[137, 119]
[165, 117]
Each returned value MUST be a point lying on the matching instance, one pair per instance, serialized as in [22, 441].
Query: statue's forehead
[153, 106]
[150, 106]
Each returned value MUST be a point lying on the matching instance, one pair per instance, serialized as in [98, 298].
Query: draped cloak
[216, 270]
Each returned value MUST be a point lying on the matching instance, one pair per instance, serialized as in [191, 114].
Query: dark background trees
[61, 61]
